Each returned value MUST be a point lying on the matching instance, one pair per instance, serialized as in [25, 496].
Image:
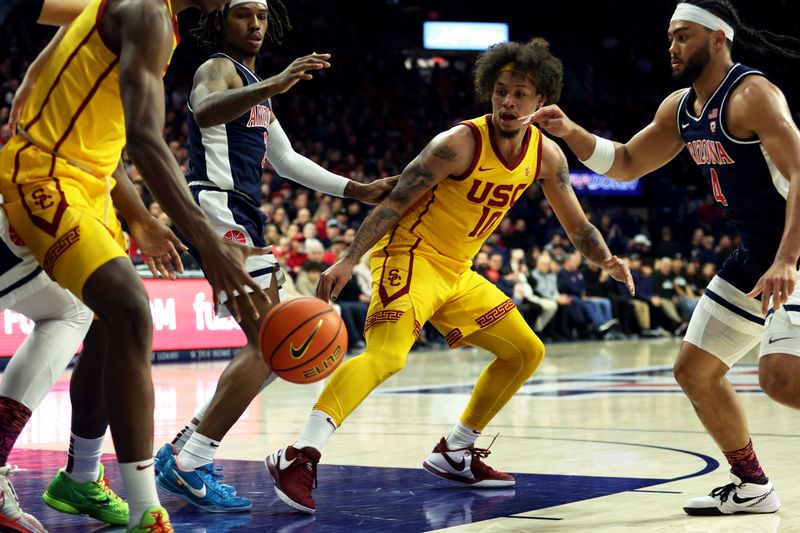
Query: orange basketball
[303, 340]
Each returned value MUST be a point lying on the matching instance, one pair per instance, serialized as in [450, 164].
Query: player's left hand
[373, 193]
[778, 283]
[334, 279]
[159, 246]
[618, 269]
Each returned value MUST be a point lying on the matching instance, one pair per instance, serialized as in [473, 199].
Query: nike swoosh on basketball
[485, 169]
[457, 466]
[297, 353]
[199, 493]
[145, 467]
[771, 340]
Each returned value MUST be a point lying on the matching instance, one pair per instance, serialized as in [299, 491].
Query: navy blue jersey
[742, 177]
[231, 156]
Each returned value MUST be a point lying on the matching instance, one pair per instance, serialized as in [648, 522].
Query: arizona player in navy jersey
[738, 129]
[232, 133]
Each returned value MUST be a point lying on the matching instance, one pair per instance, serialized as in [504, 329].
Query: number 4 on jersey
[717, 189]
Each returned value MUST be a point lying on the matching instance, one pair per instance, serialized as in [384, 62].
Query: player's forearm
[375, 226]
[789, 249]
[584, 144]
[590, 243]
[126, 199]
[225, 106]
[165, 180]
[581, 142]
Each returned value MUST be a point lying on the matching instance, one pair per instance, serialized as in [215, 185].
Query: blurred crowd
[384, 98]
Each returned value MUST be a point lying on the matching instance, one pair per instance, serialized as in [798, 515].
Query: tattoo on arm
[589, 242]
[563, 173]
[379, 221]
[415, 181]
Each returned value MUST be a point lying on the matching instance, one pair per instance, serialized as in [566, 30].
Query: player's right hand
[334, 279]
[553, 120]
[24, 92]
[296, 71]
[224, 266]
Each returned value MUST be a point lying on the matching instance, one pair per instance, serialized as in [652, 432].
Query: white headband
[235, 3]
[693, 13]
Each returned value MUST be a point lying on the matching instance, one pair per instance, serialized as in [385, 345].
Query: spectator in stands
[308, 277]
[664, 288]
[597, 309]
[667, 247]
[546, 286]
[297, 254]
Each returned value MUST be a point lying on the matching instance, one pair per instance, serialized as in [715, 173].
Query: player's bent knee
[385, 364]
[534, 354]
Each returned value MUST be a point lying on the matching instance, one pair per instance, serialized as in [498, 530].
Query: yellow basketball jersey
[75, 108]
[458, 214]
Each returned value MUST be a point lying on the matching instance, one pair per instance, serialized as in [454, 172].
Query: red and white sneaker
[12, 517]
[465, 466]
[295, 475]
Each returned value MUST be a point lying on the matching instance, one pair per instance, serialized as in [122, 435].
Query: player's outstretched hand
[373, 193]
[334, 279]
[159, 246]
[552, 120]
[618, 269]
[224, 265]
[777, 283]
[297, 71]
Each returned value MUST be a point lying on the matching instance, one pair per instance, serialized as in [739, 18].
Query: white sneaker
[735, 497]
[12, 517]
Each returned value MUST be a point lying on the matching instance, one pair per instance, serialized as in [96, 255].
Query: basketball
[303, 340]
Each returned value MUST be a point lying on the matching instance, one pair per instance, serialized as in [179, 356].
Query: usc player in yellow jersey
[423, 237]
[100, 89]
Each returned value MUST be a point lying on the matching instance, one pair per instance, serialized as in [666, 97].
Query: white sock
[462, 436]
[140, 489]
[188, 430]
[199, 451]
[318, 430]
[83, 458]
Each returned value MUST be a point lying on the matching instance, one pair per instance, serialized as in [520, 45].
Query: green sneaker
[154, 520]
[93, 498]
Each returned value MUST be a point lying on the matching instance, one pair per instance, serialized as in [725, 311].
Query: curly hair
[533, 57]
[208, 32]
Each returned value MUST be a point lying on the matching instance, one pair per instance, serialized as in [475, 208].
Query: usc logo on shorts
[394, 277]
[42, 199]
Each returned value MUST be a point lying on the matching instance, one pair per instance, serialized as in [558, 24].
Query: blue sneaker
[167, 451]
[163, 456]
[200, 488]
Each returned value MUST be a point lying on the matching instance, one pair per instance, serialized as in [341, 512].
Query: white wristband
[602, 159]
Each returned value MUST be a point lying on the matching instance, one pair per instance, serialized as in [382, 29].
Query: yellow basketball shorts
[63, 214]
[416, 279]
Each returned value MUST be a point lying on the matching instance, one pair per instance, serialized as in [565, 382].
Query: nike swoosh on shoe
[199, 493]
